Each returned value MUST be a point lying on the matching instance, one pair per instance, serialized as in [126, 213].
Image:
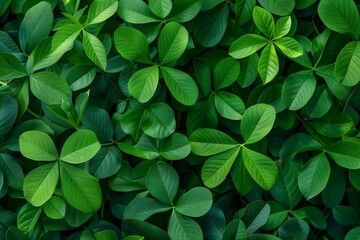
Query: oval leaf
[37, 146]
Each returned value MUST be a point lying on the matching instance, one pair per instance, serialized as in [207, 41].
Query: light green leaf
[100, 10]
[282, 27]
[40, 183]
[229, 105]
[136, 11]
[278, 7]
[55, 208]
[95, 50]
[206, 142]
[181, 227]
[194, 203]
[341, 16]
[173, 40]
[297, 89]
[314, 176]
[226, 72]
[289, 46]
[35, 26]
[346, 154]
[176, 147]
[182, 87]
[261, 168]
[64, 38]
[247, 45]
[132, 44]
[257, 122]
[268, 65]
[347, 68]
[10, 67]
[49, 87]
[142, 84]
[80, 189]
[217, 167]
[37, 146]
[264, 21]
[162, 182]
[80, 147]
[160, 7]
[142, 208]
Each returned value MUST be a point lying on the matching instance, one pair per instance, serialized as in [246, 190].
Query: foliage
[179, 119]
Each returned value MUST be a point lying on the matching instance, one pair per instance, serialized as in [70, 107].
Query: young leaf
[195, 202]
[35, 26]
[80, 147]
[181, 227]
[341, 16]
[346, 154]
[268, 65]
[278, 7]
[100, 10]
[229, 105]
[289, 46]
[37, 146]
[173, 40]
[217, 167]
[206, 142]
[257, 122]
[80, 189]
[10, 67]
[40, 183]
[49, 87]
[162, 182]
[55, 208]
[346, 65]
[261, 168]
[226, 73]
[247, 45]
[181, 85]
[282, 27]
[136, 11]
[142, 85]
[95, 50]
[314, 176]
[161, 8]
[264, 21]
[132, 44]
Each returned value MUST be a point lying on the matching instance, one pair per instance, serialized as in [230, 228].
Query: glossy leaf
[346, 65]
[226, 73]
[37, 146]
[264, 21]
[176, 147]
[247, 45]
[55, 208]
[195, 202]
[101, 10]
[95, 50]
[160, 7]
[229, 105]
[278, 7]
[268, 65]
[345, 154]
[289, 46]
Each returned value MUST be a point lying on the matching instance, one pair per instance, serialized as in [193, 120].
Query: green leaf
[132, 44]
[37, 146]
[226, 73]
[142, 85]
[101, 10]
[162, 182]
[314, 176]
[289, 46]
[158, 121]
[135, 11]
[173, 40]
[264, 21]
[334, 126]
[149, 231]
[182, 87]
[297, 89]
[257, 122]
[248, 71]
[80, 147]
[40, 183]
[278, 214]
[8, 114]
[346, 154]
[261, 168]
[282, 27]
[142, 208]
[55, 208]
[106, 162]
[184, 10]
[320, 103]
[14, 232]
[27, 217]
[49, 87]
[106, 235]
[13, 173]
[229, 105]
[255, 215]
[353, 234]
[176, 147]
[346, 65]
[10, 68]
[64, 38]
[161, 8]
[294, 228]
[217, 167]
[247, 45]
[235, 230]
[341, 16]
[206, 142]
[268, 65]
[210, 30]
[35, 26]
[278, 7]
[94, 49]
[195, 202]
[181, 227]
[345, 215]
[80, 76]
[312, 214]
[80, 189]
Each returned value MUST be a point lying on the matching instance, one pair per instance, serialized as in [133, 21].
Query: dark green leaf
[181, 227]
